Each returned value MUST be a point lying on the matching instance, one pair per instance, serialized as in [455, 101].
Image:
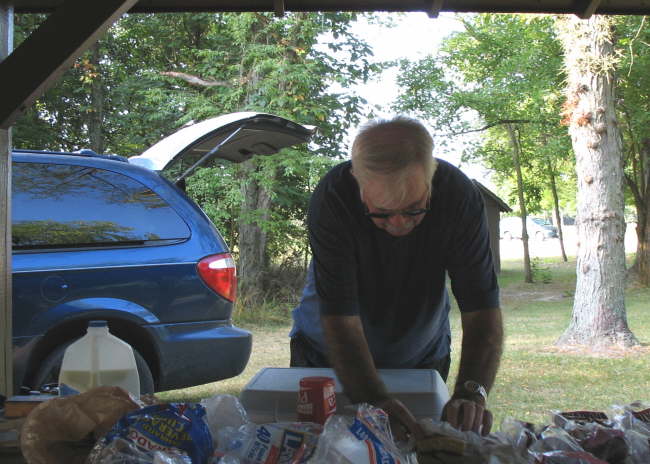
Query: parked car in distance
[537, 228]
[102, 237]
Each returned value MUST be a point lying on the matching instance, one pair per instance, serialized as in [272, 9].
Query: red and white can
[316, 399]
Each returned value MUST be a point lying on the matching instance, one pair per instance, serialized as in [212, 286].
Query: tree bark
[558, 216]
[599, 317]
[516, 157]
[253, 259]
[253, 253]
[641, 265]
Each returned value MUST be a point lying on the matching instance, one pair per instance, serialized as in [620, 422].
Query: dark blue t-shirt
[396, 285]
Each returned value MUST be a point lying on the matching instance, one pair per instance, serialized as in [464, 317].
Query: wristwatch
[471, 388]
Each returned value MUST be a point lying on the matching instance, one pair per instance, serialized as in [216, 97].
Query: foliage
[500, 69]
[246, 62]
[541, 272]
[634, 117]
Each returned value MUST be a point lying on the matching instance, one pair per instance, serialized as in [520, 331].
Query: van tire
[48, 371]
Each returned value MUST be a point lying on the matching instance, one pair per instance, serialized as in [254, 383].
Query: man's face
[377, 198]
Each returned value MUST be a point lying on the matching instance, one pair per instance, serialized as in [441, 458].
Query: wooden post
[6, 364]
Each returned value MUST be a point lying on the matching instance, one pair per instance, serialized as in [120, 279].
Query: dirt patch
[608, 352]
[537, 295]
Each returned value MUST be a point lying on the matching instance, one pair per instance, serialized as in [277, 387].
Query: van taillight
[219, 272]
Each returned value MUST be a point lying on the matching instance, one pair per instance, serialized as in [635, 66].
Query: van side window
[60, 205]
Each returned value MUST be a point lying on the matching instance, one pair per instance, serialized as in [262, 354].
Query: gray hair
[386, 147]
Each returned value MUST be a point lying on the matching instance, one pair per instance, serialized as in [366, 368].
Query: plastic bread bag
[66, 429]
[569, 420]
[634, 421]
[639, 447]
[569, 457]
[362, 439]
[123, 451]
[445, 444]
[555, 439]
[595, 433]
[224, 415]
[178, 431]
[519, 434]
[634, 416]
[274, 443]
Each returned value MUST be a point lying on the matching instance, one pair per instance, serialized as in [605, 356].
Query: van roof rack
[83, 152]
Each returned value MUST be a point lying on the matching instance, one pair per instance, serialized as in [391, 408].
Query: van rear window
[59, 205]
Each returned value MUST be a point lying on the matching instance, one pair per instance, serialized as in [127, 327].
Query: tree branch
[492, 124]
[195, 80]
[638, 198]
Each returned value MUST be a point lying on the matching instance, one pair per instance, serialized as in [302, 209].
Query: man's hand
[468, 414]
[350, 356]
[402, 423]
[479, 361]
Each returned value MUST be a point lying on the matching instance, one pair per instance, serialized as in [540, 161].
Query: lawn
[535, 377]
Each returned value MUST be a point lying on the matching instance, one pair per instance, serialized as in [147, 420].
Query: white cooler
[272, 395]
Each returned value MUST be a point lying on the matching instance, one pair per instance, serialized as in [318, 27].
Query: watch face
[472, 387]
[475, 388]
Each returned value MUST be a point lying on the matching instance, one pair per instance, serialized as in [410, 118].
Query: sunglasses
[409, 213]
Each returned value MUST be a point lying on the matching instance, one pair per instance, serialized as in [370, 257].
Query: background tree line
[507, 79]
[152, 74]
[522, 80]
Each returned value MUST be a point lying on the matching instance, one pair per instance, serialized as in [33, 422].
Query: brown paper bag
[64, 430]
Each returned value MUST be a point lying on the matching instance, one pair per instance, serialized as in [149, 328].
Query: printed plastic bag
[123, 451]
[176, 432]
[363, 439]
[275, 443]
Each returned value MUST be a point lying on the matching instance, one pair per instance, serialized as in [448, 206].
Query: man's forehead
[384, 192]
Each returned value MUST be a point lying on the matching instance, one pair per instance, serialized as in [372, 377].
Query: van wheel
[507, 235]
[48, 371]
[540, 236]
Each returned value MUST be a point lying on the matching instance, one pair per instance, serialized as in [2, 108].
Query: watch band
[471, 388]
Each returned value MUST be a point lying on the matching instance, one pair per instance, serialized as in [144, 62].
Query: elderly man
[385, 229]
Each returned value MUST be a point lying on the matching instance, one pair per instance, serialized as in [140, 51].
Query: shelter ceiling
[433, 7]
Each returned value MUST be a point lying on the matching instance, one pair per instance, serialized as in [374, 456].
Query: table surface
[12, 457]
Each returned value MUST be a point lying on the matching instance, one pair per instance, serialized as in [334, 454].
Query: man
[384, 230]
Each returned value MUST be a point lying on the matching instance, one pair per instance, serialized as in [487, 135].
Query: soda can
[316, 399]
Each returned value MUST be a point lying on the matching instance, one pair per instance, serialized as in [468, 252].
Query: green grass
[535, 377]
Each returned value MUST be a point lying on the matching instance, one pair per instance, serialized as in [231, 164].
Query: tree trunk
[641, 265]
[558, 216]
[253, 259]
[95, 120]
[256, 202]
[516, 156]
[599, 316]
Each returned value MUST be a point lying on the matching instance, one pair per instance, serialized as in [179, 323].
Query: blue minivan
[111, 238]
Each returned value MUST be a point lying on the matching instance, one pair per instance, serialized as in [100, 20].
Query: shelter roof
[503, 206]
[583, 8]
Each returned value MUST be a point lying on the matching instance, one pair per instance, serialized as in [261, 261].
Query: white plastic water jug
[98, 359]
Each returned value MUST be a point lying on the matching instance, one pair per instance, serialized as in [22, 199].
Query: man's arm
[482, 346]
[352, 361]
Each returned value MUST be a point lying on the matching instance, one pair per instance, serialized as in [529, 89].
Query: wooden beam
[585, 9]
[38, 62]
[6, 362]
[434, 7]
[278, 7]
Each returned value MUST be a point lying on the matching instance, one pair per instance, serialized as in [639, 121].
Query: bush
[283, 286]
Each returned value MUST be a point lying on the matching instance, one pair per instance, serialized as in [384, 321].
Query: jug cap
[98, 324]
